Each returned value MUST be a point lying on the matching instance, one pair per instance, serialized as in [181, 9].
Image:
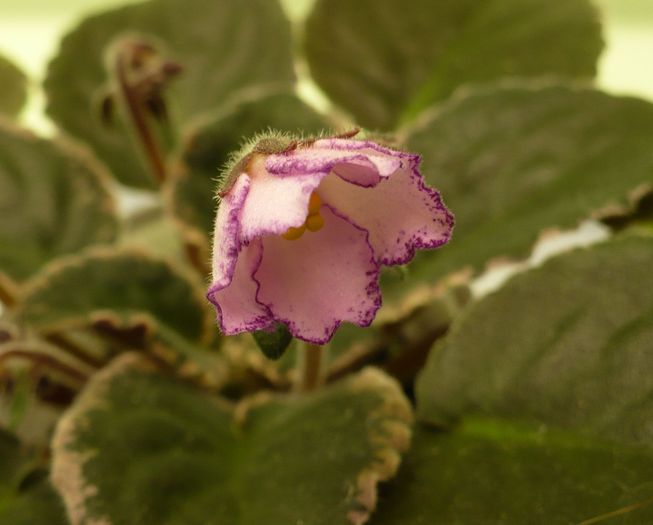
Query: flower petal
[401, 213]
[236, 305]
[274, 203]
[233, 291]
[226, 238]
[360, 162]
[314, 283]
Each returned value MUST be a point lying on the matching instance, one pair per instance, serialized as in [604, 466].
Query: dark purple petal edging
[349, 144]
[416, 242]
[292, 167]
[235, 246]
[260, 323]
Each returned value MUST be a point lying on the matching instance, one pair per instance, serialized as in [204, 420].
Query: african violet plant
[123, 403]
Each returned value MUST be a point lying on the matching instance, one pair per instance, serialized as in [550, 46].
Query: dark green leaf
[54, 200]
[385, 60]
[545, 388]
[13, 88]
[489, 472]
[567, 344]
[223, 46]
[128, 294]
[26, 497]
[211, 140]
[274, 343]
[139, 448]
[512, 161]
[122, 284]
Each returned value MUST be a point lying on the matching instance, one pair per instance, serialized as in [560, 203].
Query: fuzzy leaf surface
[513, 160]
[542, 392]
[567, 344]
[26, 497]
[132, 297]
[222, 45]
[140, 448]
[385, 60]
[54, 200]
[491, 471]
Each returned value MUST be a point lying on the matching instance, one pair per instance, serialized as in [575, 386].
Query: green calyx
[269, 143]
[266, 143]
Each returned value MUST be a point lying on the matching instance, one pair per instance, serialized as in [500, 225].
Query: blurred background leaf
[384, 61]
[54, 201]
[13, 88]
[139, 301]
[26, 497]
[514, 159]
[222, 45]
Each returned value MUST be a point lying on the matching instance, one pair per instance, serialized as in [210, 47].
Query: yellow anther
[292, 234]
[314, 204]
[315, 222]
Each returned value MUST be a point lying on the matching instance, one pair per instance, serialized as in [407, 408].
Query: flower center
[313, 223]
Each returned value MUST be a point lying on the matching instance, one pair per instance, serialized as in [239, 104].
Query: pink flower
[303, 230]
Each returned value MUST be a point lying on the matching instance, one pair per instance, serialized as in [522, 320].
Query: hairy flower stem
[310, 367]
[136, 111]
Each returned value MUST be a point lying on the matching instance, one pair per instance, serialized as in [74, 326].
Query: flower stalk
[140, 77]
[8, 293]
[310, 373]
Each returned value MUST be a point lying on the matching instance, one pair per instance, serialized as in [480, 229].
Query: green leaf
[274, 343]
[401, 336]
[567, 344]
[10, 459]
[223, 46]
[545, 388]
[13, 88]
[54, 200]
[490, 472]
[26, 497]
[385, 60]
[123, 284]
[124, 293]
[514, 160]
[211, 140]
[139, 448]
